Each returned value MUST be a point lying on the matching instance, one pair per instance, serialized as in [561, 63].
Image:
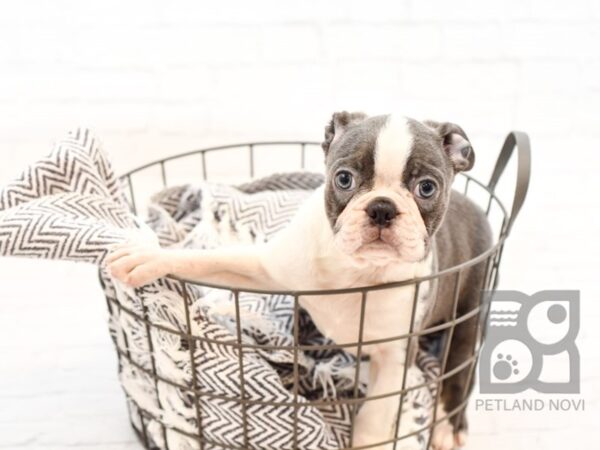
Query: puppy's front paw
[358, 443]
[461, 438]
[136, 264]
[444, 437]
[363, 439]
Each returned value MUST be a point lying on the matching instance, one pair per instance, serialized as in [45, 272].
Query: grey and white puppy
[385, 213]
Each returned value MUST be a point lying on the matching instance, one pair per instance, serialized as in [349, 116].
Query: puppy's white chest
[387, 314]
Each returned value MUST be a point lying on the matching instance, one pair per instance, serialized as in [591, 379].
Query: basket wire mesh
[490, 260]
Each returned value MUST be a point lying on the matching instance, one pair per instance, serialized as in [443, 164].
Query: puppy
[385, 213]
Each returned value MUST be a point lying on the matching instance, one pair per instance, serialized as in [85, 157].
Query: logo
[530, 343]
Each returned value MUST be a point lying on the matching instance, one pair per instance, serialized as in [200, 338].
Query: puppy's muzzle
[381, 212]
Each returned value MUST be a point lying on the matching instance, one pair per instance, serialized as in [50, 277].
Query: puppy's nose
[382, 211]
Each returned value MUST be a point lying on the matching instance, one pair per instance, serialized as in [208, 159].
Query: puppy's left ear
[456, 144]
[338, 124]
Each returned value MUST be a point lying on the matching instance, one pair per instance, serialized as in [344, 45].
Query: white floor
[58, 384]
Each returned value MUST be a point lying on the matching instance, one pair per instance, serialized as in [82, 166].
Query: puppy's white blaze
[392, 150]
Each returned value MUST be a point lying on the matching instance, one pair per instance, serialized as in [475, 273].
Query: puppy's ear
[456, 144]
[338, 124]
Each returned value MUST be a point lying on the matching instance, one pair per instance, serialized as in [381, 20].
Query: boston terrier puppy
[385, 213]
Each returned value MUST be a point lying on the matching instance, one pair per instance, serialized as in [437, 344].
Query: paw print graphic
[505, 367]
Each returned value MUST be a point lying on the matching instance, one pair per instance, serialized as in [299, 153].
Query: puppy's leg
[456, 389]
[240, 266]
[452, 432]
[376, 421]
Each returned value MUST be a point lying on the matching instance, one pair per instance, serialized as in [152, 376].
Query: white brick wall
[154, 78]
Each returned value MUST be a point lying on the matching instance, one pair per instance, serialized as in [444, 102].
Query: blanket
[175, 341]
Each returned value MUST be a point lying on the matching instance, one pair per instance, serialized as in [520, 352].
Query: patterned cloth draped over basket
[70, 206]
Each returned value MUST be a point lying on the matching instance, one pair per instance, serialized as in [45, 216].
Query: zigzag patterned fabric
[66, 206]
[70, 206]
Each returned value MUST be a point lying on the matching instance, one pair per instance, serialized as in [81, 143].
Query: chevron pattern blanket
[70, 206]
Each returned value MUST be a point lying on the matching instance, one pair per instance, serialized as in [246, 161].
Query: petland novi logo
[530, 343]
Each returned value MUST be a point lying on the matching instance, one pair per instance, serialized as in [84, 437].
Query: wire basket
[489, 260]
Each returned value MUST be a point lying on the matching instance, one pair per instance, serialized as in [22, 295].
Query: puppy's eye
[344, 180]
[425, 189]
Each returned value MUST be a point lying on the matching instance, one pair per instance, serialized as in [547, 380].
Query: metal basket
[490, 259]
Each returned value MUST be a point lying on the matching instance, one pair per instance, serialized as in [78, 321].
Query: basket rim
[126, 177]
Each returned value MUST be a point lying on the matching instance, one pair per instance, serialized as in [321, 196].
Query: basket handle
[520, 140]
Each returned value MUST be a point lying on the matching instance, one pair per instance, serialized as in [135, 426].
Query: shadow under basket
[196, 379]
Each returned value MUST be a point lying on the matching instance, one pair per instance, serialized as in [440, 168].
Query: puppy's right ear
[338, 124]
[456, 144]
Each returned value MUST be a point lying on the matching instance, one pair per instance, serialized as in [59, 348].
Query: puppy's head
[388, 183]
